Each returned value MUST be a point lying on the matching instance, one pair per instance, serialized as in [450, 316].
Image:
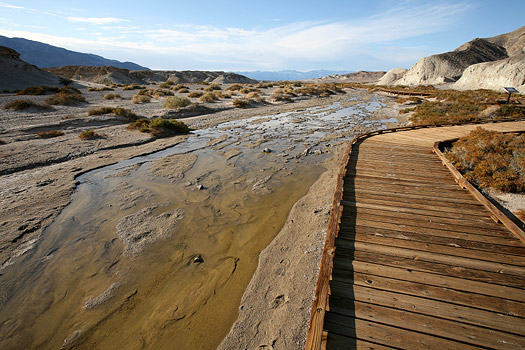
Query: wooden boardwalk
[415, 261]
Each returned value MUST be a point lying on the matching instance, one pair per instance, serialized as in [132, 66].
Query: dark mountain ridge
[45, 56]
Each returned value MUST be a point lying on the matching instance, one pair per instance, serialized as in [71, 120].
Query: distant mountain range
[46, 56]
[290, 74]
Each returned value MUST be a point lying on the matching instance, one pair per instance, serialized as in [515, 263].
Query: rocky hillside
[487, 63]
[44, 55]
[15, 74]
[392, 76]
[357, 77]
[448, 67]
[108, 75]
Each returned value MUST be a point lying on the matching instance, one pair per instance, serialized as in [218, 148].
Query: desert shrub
[452, 106]
[159, 126]
[208, 97]
[49, 134]
[141, 99]
[102, 88]
[66, 97]
[166, 85]
[234, 87]
[38, 90]
[183, 91]
[176, 102]
[491, 159]
[100, 110]
[509, 111]
[88, 135]
[252, 95]
[213, 87]
[195, 94]
[111, 96]
[20, 105]
[126, 113]
[241, 103]
[178, 87]
[132, 87]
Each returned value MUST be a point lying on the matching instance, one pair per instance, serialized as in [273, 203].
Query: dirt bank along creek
[156, 251]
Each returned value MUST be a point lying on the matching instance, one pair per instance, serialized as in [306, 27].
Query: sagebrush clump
[50, 133]
[20, 105]
[491, 159]
[140, 99]
[159, 127]
[176, 102]
[88, 135]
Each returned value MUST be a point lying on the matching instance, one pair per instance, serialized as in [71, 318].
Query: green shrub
[20, 105]
[88, 135]
[176, 102]
[141, 99]
[111, 96]
[491, 159]
[49, 134]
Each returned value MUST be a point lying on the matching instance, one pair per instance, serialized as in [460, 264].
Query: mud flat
[100, 245]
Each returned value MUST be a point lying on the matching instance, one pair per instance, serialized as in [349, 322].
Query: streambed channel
[156, 251]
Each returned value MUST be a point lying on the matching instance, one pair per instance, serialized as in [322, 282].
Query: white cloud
[302, 45]
[3, 4]
[96, 20]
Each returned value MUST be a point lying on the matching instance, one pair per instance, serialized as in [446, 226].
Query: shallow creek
[156, 251]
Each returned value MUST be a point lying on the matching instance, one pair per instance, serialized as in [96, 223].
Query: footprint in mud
[279, 301]
[281, 269]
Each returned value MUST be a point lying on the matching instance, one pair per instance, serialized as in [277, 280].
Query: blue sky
[261, 35]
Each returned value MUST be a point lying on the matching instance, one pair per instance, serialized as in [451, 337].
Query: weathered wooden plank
[458, 331]
[473, 225]
[340, 342]
[436, 292]
[439, 258]
[416, 209]
[424, 306]
[421, 199]
[349, 243]
[343, 260]
[428, 278]
[349, 227]
[387, 335]
[385, 192]
[480, 247]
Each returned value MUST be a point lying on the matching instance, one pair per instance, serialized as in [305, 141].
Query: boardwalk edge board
[497, 214]
[316, 333]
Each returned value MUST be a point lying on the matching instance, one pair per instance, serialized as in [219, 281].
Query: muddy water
[155, 252]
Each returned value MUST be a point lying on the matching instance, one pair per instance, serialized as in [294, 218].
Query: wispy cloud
[9, 6]
[301, 44]
[96, 20]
